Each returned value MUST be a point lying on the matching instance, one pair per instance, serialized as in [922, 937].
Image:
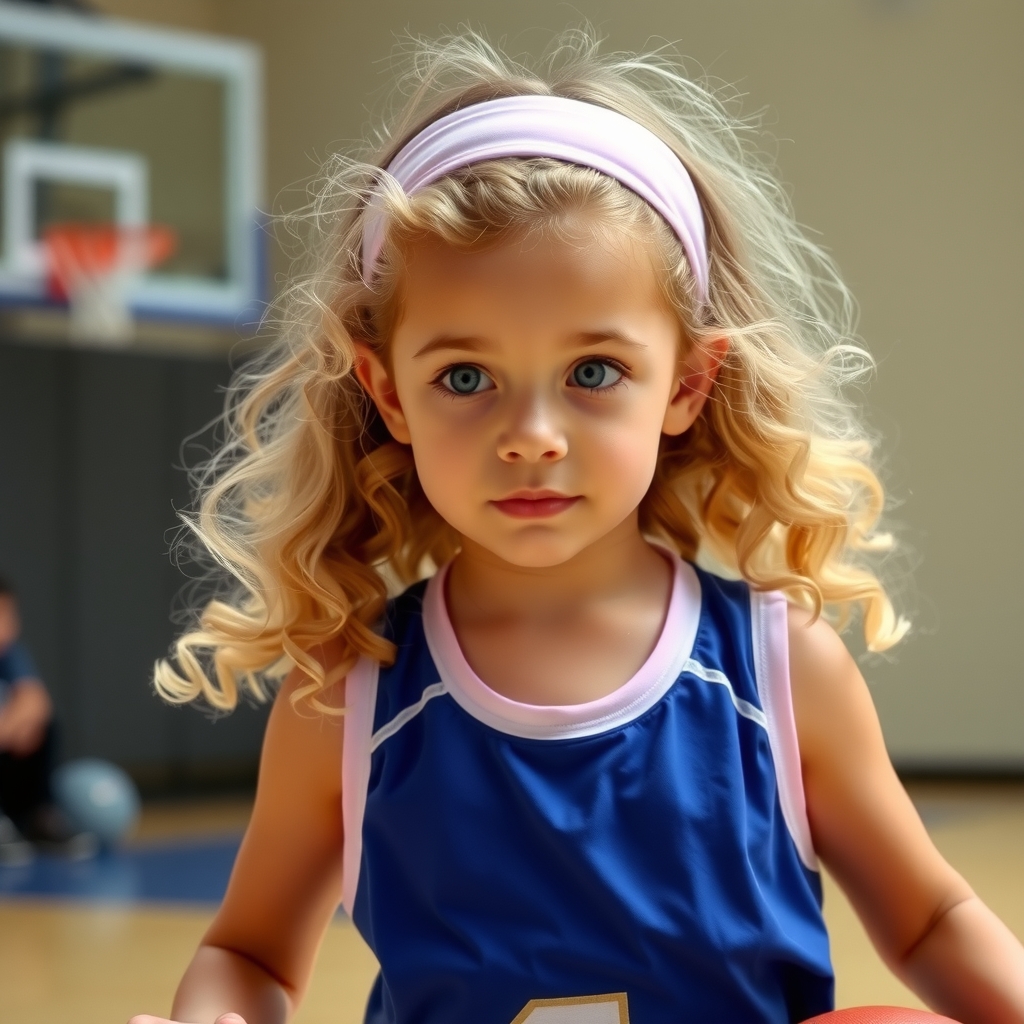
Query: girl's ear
[376, 382]
[692, 387]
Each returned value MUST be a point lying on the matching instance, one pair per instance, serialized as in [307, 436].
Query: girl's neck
[564, 634]
[482, 586]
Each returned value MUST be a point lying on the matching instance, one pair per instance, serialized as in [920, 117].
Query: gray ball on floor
[97, 796]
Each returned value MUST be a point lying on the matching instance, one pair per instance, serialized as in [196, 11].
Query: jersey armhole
[360, 706]
[770, 635]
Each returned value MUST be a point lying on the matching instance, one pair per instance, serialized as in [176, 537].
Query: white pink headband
[564, 129]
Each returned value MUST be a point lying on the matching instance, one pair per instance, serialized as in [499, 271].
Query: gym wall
[899, 130]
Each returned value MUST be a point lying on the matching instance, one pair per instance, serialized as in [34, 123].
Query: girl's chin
[529, 552]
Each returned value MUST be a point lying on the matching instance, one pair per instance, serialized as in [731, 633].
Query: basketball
[880, 1015]
[97, 796]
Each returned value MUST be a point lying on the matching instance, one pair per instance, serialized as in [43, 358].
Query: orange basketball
[879, 1015]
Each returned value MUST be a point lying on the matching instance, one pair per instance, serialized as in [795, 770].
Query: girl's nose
[532, 434]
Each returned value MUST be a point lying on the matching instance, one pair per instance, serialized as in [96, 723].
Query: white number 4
[606, 1009]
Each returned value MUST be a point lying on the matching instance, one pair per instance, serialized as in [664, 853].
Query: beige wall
[902, 138]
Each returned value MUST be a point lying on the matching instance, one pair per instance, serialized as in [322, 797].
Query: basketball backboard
[109, 122]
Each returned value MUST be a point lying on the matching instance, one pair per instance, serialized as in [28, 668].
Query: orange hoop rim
[90, 252]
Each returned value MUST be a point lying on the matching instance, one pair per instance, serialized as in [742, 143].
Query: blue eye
[595, 373]
[466, 380]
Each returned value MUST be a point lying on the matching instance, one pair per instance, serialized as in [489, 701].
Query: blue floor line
[193, 871]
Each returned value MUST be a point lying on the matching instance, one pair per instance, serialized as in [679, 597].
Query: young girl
[568, 342]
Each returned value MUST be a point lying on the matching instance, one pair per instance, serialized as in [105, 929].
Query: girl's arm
[257, 957]
[923, 918]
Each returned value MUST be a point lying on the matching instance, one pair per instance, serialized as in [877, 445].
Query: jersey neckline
[625, 704]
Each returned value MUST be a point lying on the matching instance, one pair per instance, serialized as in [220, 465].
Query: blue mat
[182, 872]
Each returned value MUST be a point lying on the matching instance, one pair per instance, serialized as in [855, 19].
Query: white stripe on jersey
[406, 715]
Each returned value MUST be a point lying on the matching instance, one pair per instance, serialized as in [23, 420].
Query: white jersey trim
[770, 635]
[552, 722]
[360, 707]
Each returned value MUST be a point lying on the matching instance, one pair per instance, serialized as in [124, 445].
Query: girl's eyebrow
[459, 343]
[596, 337]
[474, 343]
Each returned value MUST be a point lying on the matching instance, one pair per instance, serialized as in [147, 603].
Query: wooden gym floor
[100, 962]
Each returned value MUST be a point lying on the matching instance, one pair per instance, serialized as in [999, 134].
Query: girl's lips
[539, 507]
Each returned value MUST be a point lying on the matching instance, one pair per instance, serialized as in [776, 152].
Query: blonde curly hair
[312, 508]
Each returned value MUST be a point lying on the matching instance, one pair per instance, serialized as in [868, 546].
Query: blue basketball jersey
[644, 857]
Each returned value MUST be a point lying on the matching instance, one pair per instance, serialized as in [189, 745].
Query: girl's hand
[146, 1018]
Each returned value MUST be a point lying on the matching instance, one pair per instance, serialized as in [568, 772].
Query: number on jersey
[606, 1009]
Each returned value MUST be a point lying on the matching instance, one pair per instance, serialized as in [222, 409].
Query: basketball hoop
[93, 268]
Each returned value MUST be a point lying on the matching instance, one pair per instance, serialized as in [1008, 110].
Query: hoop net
[93, 267]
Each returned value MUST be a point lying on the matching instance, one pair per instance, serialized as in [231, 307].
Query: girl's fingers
[229, 1018]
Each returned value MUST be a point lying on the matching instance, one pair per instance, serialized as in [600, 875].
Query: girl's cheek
[455, 428]
[629, 438]
[632, 467]
[445, 446]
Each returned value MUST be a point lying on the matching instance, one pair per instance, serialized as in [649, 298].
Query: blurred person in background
[29, 817]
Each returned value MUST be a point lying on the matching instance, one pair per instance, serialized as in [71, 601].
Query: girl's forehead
[544, 287]
[534, 264]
